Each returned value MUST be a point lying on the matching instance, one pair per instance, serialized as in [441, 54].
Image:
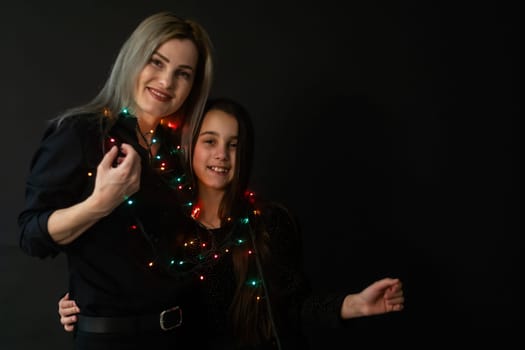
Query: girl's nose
[221, 153]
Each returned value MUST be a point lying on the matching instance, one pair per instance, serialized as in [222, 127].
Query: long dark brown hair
[251, 321]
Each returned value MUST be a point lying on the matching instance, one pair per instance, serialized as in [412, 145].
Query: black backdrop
[387, 127]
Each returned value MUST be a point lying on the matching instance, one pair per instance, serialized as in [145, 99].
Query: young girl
[252, 293]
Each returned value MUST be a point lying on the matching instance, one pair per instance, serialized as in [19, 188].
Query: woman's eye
[156, 62]
[184, 74]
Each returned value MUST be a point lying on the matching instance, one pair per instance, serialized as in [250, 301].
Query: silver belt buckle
[163, 323]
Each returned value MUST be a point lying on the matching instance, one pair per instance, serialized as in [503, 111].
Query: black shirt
[295, 308]
[124, 264]
[112, 266]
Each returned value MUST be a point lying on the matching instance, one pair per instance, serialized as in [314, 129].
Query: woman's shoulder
[71, 132]
[79, 123]
[67, 145]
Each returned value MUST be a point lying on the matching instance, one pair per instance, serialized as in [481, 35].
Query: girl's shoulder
[276, 217]
[273, 208]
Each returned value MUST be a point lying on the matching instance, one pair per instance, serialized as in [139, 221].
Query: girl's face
[214, 155]
[166, 80]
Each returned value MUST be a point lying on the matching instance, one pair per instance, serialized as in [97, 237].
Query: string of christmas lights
[201, 250]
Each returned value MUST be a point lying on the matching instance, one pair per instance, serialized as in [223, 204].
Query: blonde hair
[118, 90]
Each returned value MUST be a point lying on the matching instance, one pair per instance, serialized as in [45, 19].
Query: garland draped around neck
[201, 249]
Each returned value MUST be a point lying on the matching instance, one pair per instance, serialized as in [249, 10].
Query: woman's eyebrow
[166, 59]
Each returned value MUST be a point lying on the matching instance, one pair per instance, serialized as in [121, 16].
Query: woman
[247, 255]
[107, 183]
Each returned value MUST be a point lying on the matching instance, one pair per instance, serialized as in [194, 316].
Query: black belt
[163, 321]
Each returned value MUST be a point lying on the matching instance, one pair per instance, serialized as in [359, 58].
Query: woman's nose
[166, 80]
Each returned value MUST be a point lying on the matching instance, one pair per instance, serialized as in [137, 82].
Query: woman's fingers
[68, 322]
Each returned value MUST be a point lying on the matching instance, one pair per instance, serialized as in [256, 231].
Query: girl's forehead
[219, 119]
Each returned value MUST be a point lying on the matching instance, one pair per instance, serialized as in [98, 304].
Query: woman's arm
[112, 186]
[63, 198]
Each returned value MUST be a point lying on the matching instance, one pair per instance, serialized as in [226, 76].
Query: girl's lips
[218, 169]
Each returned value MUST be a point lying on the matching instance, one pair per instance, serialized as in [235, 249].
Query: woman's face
[214, 155]
[166, 80]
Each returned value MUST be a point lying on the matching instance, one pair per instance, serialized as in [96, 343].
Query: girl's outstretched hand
[385, 295]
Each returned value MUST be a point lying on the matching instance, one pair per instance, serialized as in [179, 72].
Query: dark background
[387, 127]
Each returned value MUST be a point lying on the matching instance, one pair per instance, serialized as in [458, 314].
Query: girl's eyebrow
[214, 133]
[209, 133]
